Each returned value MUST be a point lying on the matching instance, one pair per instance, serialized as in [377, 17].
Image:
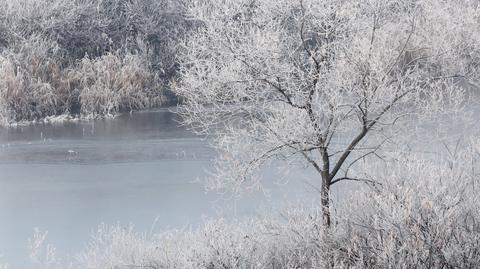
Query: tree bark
[325, 191]
[325, 199]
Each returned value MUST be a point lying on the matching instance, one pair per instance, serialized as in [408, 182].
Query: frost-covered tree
[326, 81]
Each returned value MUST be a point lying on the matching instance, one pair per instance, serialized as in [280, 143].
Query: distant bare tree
[323, 80]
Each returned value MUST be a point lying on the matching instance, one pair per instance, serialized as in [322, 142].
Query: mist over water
[67, 178]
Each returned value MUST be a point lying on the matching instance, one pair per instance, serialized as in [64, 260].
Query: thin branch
[373, 182]
[268, 153]
[283, 93]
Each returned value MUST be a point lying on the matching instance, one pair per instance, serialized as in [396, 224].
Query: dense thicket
[93, 57]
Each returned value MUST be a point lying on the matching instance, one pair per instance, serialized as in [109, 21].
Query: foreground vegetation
[423, 215]
[339, 86]
[89, 57]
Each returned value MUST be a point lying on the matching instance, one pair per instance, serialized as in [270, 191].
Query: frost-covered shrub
[115, 83]
[258, 243]
[95, 27]
[57, 34]
[407, 237]
[3, 36]
[42, 255]
[424, 214]
[32, 83]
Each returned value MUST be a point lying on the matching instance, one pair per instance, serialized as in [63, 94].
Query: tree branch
[373, 182]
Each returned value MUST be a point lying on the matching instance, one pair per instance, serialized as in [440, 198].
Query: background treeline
[89, 57]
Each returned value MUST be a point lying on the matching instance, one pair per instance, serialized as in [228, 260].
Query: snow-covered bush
[42, 254]
[95, 27]
[257, 243]
[424, 214]
[42, 41]
[35, 83]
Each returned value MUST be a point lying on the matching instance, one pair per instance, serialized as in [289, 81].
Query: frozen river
[68, 178]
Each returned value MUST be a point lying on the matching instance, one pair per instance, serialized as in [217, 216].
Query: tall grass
[32, 81]
[112, 83]
[45, 45]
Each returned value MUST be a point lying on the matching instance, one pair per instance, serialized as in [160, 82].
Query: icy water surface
[137, 168]
[68, 178]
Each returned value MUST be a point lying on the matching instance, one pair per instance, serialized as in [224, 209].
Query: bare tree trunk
[325, 199]
[325, 196]
[325, 191]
